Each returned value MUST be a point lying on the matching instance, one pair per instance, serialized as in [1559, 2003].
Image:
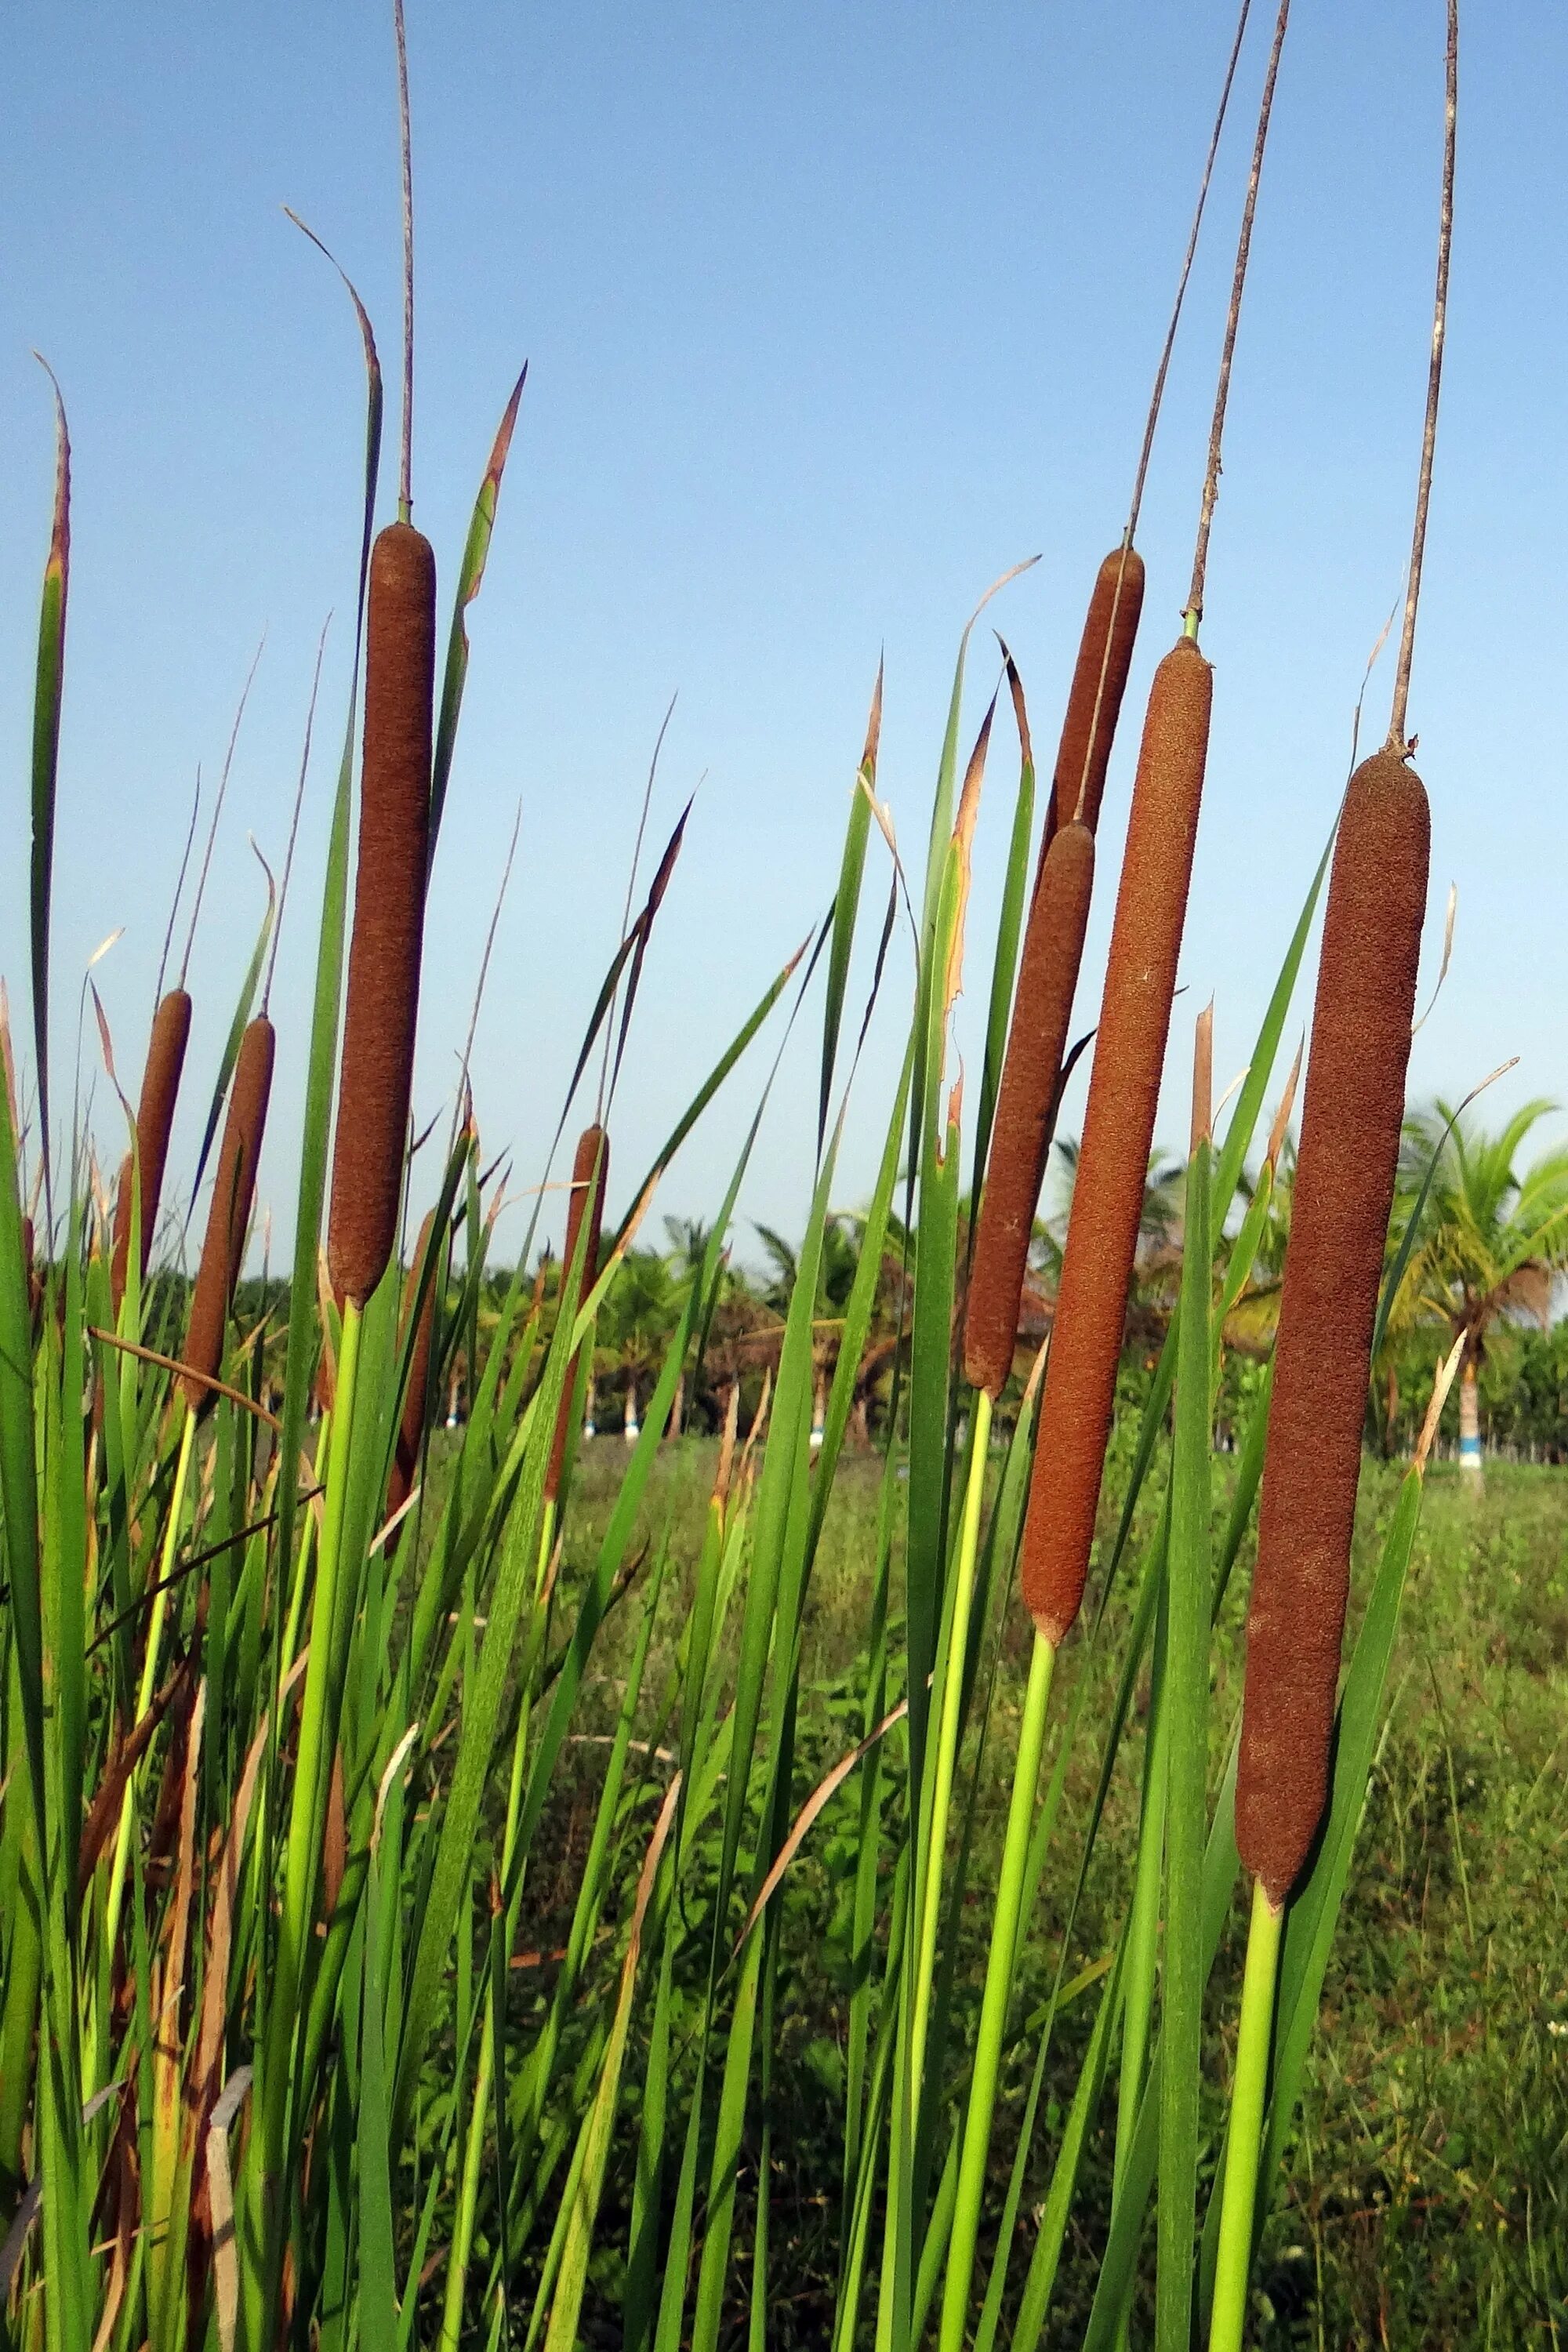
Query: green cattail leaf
[1184, 1706]
[846, 904]
[1009, 929]
[471, 578]
[304, 1334]
[1040, 2282]
[377, 2275]
[48, 691]
[1312, 1915]
[20, 1475]
[1118, 2263]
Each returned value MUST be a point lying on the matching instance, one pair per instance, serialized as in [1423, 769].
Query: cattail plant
[1150, 911]
[590, 1179]
[1351, 1119]
[380, 1015]
[1049, 964]
[1119, 1126]
[1130, 1048]
[374, 1085]
[154, 1120]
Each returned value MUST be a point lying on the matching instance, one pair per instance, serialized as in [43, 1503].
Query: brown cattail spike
[1119, 1126]
[233, 1191]
[389, 911]
[1098, 683]
[154, 1120]
[590, 1175]
[411, 1428]
[1339, 1225]
[1048, 979]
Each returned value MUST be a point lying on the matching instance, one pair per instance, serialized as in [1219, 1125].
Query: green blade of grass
[471, 579]
[846, 904]
[1184, 1703]
[1009, 927]
[48, 692]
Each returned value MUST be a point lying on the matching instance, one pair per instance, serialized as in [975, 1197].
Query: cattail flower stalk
[1119, 1126]
[1345, 1167]
[382, 997]
[154, 1120]
[234, 1192]
[1350, 1121]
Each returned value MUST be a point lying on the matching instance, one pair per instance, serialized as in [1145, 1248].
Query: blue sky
[832, 313]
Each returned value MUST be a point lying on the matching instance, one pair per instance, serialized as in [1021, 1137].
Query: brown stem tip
[590, 1176]
[234, 1192]
[1344, 1191]
[1119, 1126]
[382, 1004]
[154, 1122]
[1047, 980]
[1098, 683]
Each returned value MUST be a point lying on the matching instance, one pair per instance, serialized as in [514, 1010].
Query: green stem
[455, 2300]
[993, 2004]
[947, 1747]
[1143, 1945]
[1234, 2261]
[149, 1675]
[266, 2204]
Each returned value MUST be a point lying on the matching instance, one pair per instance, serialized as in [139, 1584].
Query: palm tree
[634, 1323]
[1493, 1239]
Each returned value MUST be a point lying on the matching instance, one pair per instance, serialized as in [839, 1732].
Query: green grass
[1429, 2179]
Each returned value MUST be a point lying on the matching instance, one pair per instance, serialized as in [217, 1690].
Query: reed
[154, 1122]
[382, 1002]
[1119, 1126]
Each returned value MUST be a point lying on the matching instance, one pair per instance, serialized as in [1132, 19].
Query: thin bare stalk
[179, 889]
[405, 142]
[294, 821]
[217, 809]
[1232, 321]
[1156, 398]
[1434, 386]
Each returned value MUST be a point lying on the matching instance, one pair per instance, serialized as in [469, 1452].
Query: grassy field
[1427, 2195]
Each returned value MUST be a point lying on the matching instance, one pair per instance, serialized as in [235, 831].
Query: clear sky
[832, 313]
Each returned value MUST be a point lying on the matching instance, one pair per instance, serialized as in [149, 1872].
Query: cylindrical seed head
[382, 1004]
[1042, 1008]
[590, 1176]
[234, 1192]
[154, 1120]
[1119, 1126]
[1112, 616]
[1344, 1190]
